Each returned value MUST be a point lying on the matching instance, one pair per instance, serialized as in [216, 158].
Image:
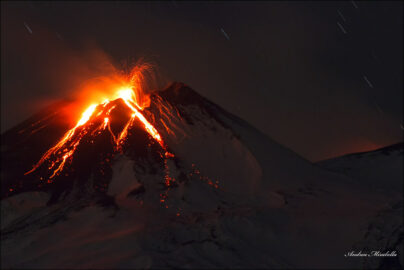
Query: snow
[17, 206]
[273, 209]
[123, 180]
[379, 170]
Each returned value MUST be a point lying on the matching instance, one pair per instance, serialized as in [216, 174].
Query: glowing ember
[134, 98]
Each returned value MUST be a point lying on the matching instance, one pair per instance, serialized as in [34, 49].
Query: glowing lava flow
[150, 129]
[65, 148]
[63, 142]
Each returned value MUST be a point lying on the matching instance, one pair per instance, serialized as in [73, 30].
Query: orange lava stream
[85, 117]
[106, 120]
[150, 129]
[124, 132]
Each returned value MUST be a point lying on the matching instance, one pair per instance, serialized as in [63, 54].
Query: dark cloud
[287, 68]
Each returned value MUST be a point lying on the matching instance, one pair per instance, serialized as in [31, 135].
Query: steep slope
[225, 196]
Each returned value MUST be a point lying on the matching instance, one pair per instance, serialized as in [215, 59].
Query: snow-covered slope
[238, 199]
[381, 169]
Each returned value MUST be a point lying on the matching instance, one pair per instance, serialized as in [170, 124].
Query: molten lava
[132, 95]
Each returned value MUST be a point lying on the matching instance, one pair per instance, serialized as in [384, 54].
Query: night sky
[322, 78]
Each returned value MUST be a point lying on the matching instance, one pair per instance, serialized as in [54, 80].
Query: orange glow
[124, 132]
[86, 115]
[125, 94]
[106, 120]
[131, 92]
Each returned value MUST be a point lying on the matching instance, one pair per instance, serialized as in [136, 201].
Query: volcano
[181, 183]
